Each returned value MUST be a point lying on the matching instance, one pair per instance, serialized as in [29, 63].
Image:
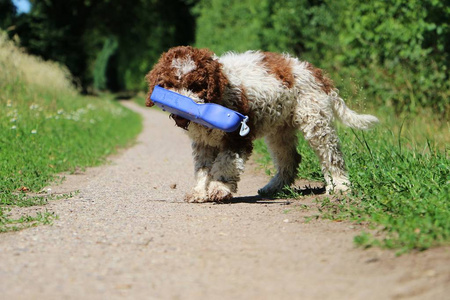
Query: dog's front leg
[204, 157]
[225, 174]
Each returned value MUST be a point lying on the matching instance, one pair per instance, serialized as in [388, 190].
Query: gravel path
[128, 234]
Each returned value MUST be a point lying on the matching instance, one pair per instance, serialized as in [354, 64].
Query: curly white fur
[278, 111]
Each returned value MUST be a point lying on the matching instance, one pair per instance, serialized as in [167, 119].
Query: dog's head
[192, 72]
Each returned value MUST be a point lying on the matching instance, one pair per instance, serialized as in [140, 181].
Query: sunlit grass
[400, 174]
[47, 128]
[10, 224]
[48, 136]
[18, 69]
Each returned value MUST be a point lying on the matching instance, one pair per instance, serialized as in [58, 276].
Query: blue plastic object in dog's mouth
[210, 115]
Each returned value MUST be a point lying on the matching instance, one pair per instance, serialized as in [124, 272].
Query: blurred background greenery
[393, 52]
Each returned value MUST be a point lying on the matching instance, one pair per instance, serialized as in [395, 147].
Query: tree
[75, 33]
[7, 13]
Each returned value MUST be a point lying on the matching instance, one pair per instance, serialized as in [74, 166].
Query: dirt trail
[128, 234]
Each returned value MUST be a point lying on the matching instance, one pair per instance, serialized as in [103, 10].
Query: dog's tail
[349, 117]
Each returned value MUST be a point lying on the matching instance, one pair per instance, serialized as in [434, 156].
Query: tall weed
[20, 70]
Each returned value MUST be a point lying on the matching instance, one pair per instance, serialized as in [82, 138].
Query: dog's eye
[196, 87]
[167, 85]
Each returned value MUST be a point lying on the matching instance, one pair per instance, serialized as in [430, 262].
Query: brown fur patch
[279, 66]
[242, 104]
[206, 80]
[325, 83]
[239, 144]
[233, 140]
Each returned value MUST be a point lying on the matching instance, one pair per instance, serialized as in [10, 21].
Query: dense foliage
[395, 51]
[78, 33]
[7, 13]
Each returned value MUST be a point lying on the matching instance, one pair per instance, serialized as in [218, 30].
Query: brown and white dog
[279, 93]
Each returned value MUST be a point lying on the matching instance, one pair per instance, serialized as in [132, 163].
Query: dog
[279, 93]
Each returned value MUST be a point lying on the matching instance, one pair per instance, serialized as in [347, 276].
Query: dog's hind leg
[204, 157]
[316, 123]
[282, 144]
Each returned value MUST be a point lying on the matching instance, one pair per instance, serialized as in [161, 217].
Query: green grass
[140, 99]
[46, 128]
[400, 185]
[8, 224]
[42, 135]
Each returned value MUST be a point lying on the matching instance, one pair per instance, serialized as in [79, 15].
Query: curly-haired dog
[279, 93]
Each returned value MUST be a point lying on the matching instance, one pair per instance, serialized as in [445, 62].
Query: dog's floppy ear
[207, 78]
[153, 79]
[148, 101]
[160, 75]
[151, 76]
[216, 81]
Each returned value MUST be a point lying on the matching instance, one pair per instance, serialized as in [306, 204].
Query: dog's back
[275, 84]
[270, 90]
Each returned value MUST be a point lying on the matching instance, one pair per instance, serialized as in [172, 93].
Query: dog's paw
[267, 191]
[196, 197]
[219, 191]
[336, 189]
[270, 189]
[275, 185]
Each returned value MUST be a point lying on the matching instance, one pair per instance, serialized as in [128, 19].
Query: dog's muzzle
[180, 121]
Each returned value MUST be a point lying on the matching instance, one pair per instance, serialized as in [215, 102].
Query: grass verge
[400, 184]
[46, 128]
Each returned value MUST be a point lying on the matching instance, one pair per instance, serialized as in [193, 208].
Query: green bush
[400, 52]
[395, 52]
[231, 25]
[101, 63]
